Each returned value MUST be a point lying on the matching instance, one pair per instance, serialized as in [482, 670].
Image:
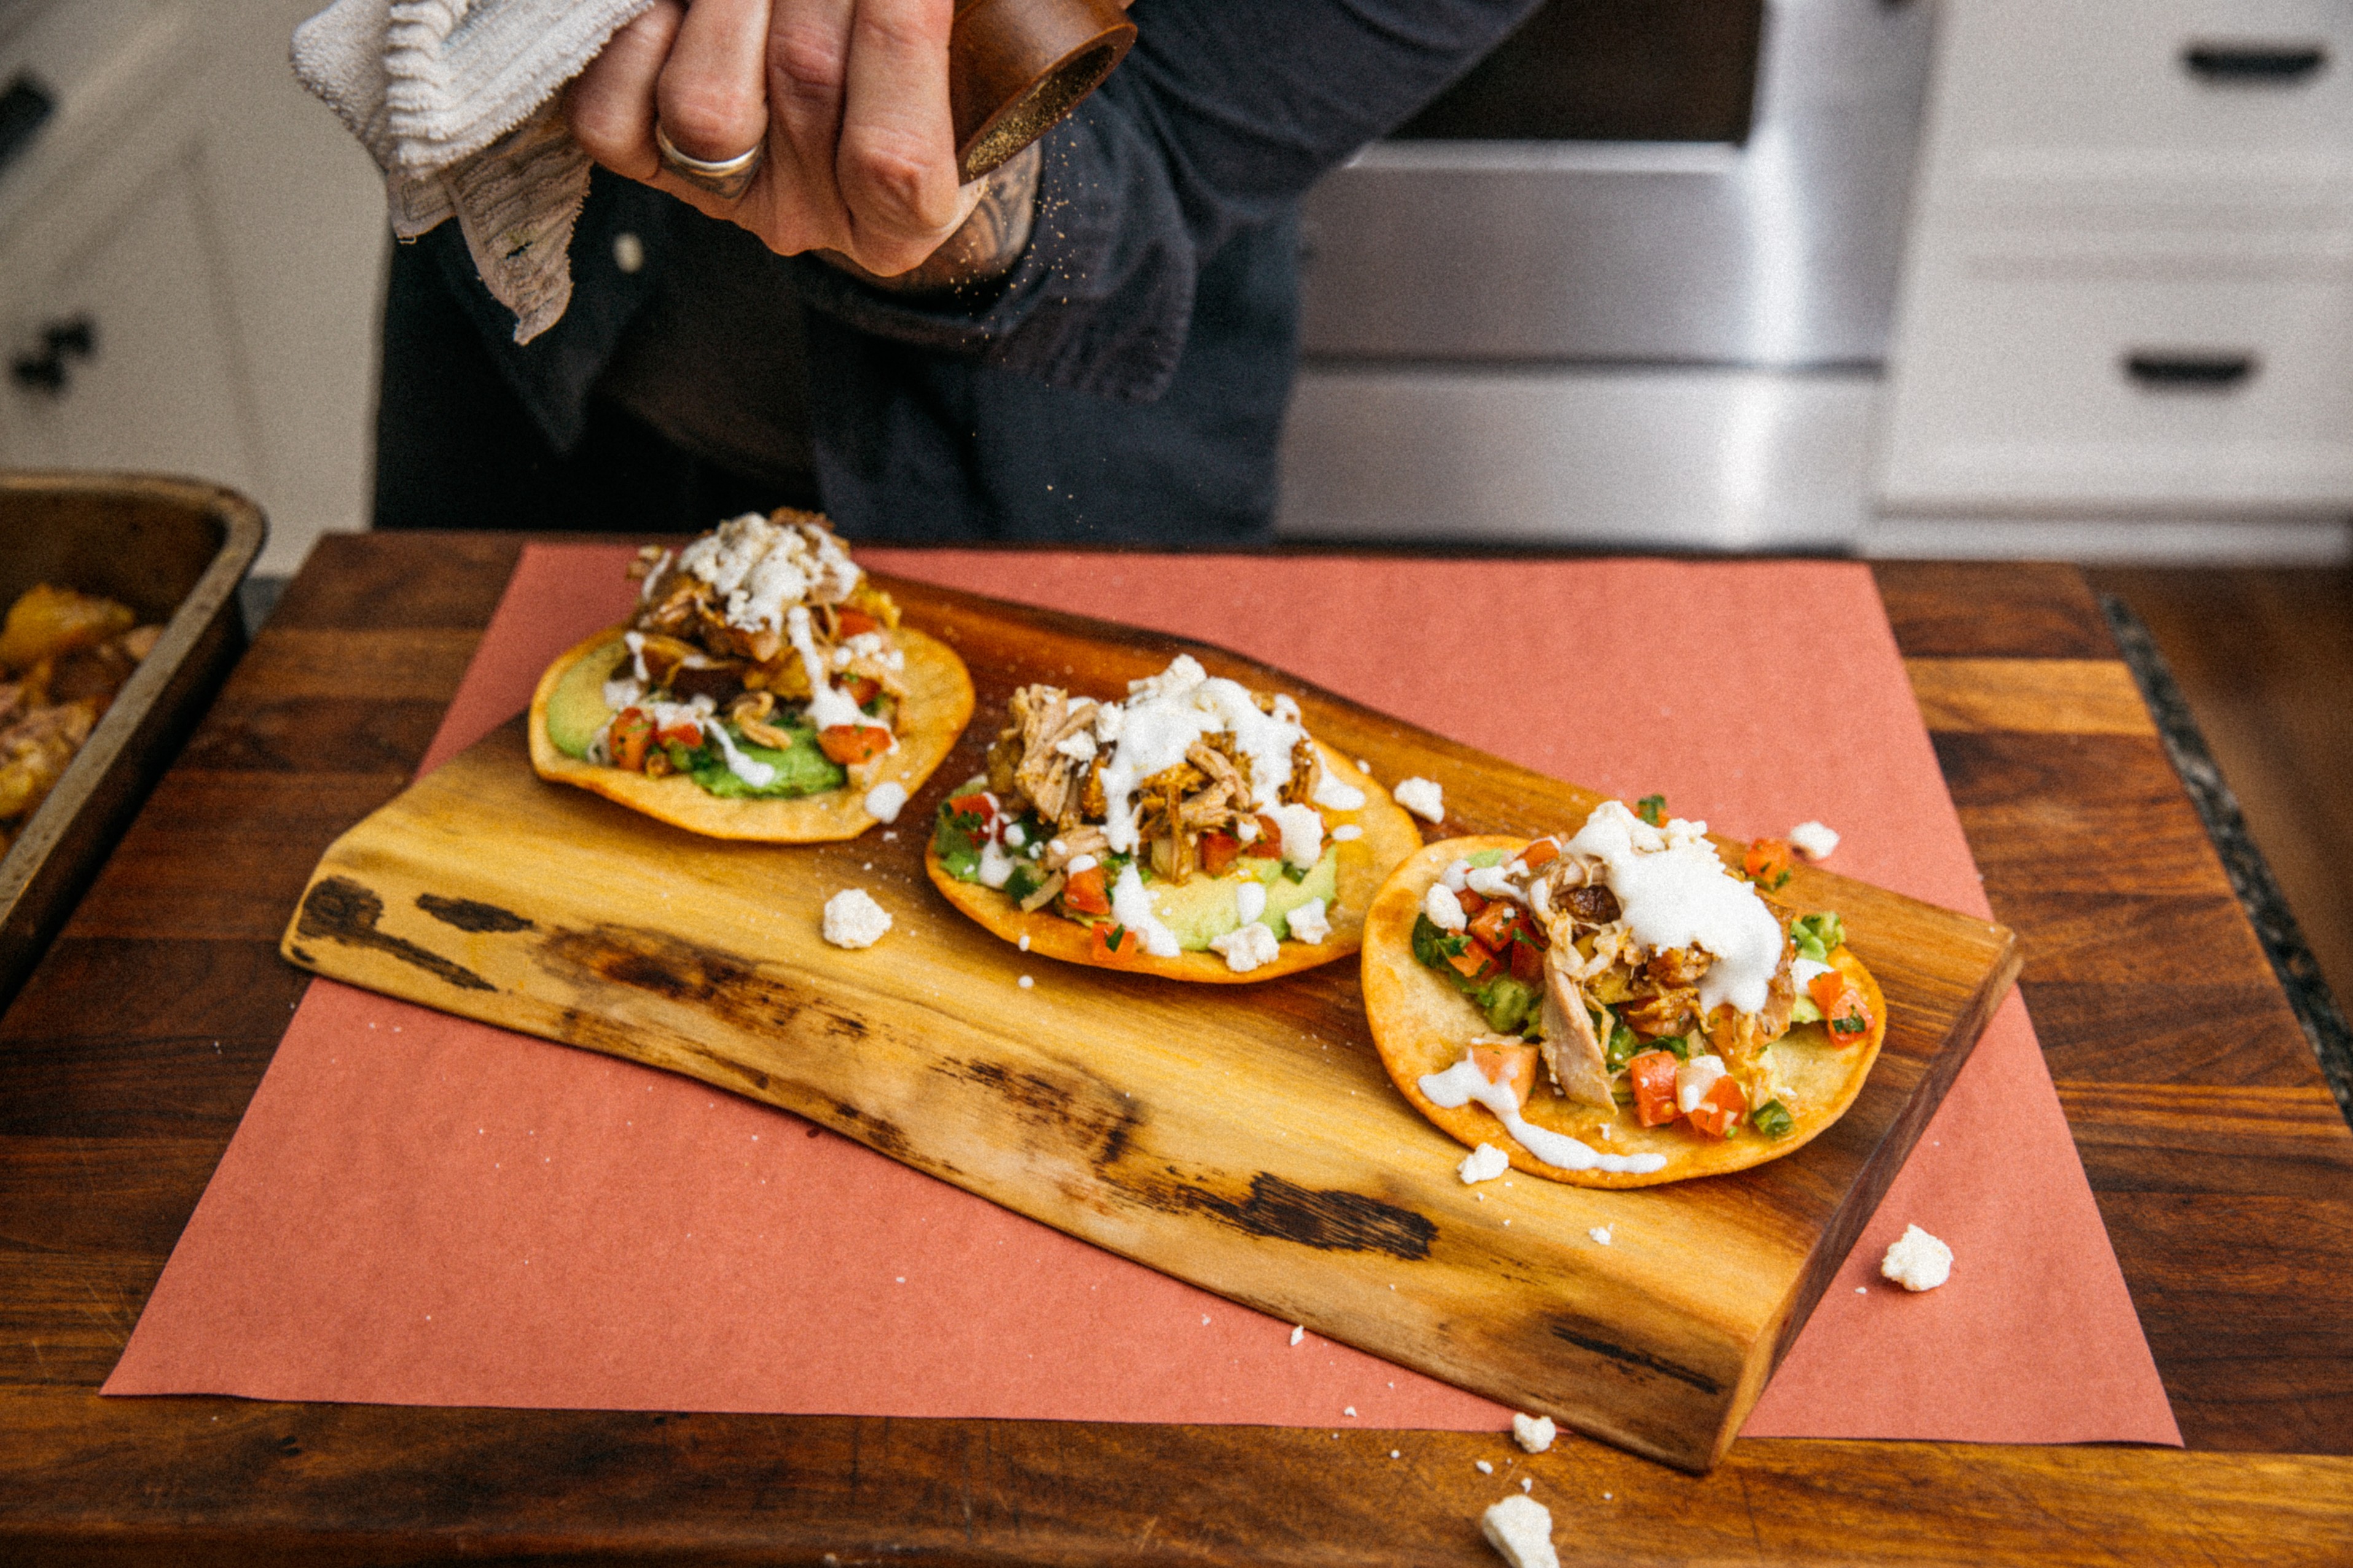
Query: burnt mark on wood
[1089, 1114]
[340, 910]
[468, 915]
[1329, 1220]
[878, 1132]
[726, 986]
[1575, 1334]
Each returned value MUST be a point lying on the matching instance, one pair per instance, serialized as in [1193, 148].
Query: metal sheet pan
[174, 551]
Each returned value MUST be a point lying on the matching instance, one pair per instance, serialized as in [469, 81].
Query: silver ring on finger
[726, 178]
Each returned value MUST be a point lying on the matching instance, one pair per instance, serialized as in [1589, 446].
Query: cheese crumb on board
[1601, 1234]
[1423, 797]
[1298, 1332]
[852, 919]
[1813, 840]
[1520, 1530]
[1483, 1468]
[1916, 1260]
[1533, 1432]
[1483, 1163]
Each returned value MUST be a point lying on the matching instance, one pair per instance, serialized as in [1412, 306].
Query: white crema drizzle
[1162, 717]
[1675, 892]
[1464, 1082]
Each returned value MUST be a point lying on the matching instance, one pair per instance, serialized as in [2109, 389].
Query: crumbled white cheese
[1444, 909]
[1025, 983]
[1334, 795]
[1457, 876]
[1303, 835]
[1079, 746]
[761, 568]
[1248, 948]
[1423, 797]
[1520, 1530]
[1483, 1163]
[1250, 901]
[1533, 1432]
[1482, 1467]
[1813, 840]
[1298, 1332]
[1692, 1079]
[1346, 831]
[1601, 1234]
[1916, 1260]
[1527, 1483]
[1310, 924]
[1363, 767]
[1025, 941]
[854, 919]
[886, 800]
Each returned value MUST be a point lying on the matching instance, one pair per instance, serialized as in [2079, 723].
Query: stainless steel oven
[1628, 281]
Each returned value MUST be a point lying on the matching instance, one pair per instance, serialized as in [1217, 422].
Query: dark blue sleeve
[1221, 116]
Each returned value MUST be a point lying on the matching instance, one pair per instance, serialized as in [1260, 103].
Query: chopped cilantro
[1511, 1006]
[954, 842]
[1652, 809]
[1849, 1023]
[1023, 882]
[1772, 1118]
[1294, 873]
[1624, 1045]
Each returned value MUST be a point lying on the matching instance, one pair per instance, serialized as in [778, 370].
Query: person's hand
[849, 97]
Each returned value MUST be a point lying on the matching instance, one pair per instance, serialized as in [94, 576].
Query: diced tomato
[1267, 844]
[1085, 892]
[1768, 861]
[1476, 963]
[1542, 852]
[1719, 1111]
[850, 745]
[1109, 943]
[1527, 965]
[1512, 1065]
[1654, 1076]
[1218, 852]
[862, 690]
[632, 732]
[977, 804]
[1471, 903]
[1500, 923]
[1845, 1015]
[688, 735]
[849, 622]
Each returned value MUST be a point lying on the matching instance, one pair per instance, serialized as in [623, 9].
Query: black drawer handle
[2255, 64]
[25, 107]
[46, 368]
[2179, 371]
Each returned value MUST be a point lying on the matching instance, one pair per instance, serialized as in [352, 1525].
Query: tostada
[1193, 829]
[763, 689]
[1614, 1008]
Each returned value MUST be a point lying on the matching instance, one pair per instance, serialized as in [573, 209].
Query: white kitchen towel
[456, 100]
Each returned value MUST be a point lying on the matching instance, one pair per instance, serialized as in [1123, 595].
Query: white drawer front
[2124, 390]
[2235, 92]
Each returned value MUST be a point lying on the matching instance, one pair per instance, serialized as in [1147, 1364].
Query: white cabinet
[215, 234]
[2129, 282]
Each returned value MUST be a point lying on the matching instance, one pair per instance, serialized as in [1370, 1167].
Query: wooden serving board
[1243, 1138]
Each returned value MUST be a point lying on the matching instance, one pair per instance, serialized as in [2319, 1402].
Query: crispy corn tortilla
[937, 706]
[1421, 1024]
[1389, 836]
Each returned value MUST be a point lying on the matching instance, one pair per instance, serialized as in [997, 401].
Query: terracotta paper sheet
[422, 1210]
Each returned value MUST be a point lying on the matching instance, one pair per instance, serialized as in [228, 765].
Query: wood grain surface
[2220, 1165]
[1067, 1102]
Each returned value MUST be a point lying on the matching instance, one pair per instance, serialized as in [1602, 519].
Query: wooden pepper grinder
[1016, 67]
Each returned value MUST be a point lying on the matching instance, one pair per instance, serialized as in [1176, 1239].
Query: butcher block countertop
[2223, 1167]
